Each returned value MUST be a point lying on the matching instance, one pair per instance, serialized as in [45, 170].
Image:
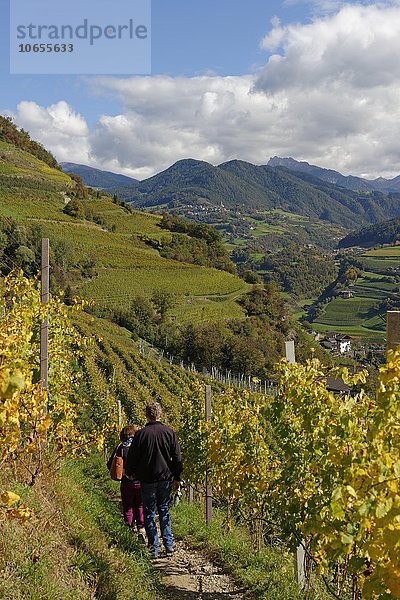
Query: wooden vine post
[44, 328]
[300, 556]
[208, 396]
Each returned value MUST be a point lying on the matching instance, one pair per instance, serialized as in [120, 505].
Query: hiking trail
[190, 575]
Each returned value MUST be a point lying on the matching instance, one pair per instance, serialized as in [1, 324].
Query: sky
[318, 80]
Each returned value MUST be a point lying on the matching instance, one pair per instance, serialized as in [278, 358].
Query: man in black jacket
[155, 459]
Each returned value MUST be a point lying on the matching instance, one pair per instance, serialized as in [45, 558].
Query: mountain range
[349, 182]
[247, 187]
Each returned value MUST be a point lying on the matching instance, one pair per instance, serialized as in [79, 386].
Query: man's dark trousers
[157, 496]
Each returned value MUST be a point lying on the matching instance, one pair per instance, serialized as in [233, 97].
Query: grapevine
[37, 426]
[327, 467]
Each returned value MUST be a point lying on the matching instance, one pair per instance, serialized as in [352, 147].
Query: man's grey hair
[153, 411]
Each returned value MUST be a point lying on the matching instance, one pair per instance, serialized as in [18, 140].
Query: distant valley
[283, 222]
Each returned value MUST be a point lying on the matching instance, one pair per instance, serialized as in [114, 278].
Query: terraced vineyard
[362, 315]
[126, 266]
[17, 162]
[116, 370]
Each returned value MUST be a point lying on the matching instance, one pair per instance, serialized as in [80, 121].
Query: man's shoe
[170, 551]
[142, 534]
[153, 552]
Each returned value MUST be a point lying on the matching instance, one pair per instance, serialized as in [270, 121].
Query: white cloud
[329, 94]
[357, 47]
[58, 127]
[341, 77]
[165, 119]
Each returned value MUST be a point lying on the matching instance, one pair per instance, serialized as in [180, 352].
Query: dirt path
[189, 575]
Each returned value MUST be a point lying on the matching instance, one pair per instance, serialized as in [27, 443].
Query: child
[131, 494]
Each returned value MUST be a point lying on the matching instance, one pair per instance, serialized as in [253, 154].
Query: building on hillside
[343, 344]
[337, 343]
[337, 386]
[346, 294]
[327, 345]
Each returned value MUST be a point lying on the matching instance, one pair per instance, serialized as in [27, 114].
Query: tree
[162, 301]
[25, 258]
[351, 274]
[251, 277]
[142, 311]
[75, 209]
[88, 267]
[80, 190]
[265, 301]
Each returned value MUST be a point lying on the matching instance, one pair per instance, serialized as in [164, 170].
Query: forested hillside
[21, 139]
[99, 247]
[247, 187]
[331, 176]
[302, 272]
[386, 232]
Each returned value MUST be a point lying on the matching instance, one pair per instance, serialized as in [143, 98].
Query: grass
[198, 310]
[126, 222]
[149, 274]
[386, 251]
[289, 215]
[93, 515]
[381, 264]
[269, 573]
[127, 267]
[382, 259]
[22, 204]
[356, 331]
[263, 227]
[77, 546]
[347, 311]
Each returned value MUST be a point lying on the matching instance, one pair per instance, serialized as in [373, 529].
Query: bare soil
[189, 575]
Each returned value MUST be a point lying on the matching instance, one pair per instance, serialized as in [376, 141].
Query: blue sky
[318, 80]
[189, 38]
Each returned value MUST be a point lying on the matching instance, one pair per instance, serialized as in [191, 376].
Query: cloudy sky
[318, 80]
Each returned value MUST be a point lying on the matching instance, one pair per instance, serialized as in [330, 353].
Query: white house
[337, 343]
[344, 344]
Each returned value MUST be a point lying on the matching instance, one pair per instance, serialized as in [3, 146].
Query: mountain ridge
[97, 178]
[351, 182]
[243, 186]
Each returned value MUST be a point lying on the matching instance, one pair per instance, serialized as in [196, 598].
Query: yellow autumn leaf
[9, 498]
